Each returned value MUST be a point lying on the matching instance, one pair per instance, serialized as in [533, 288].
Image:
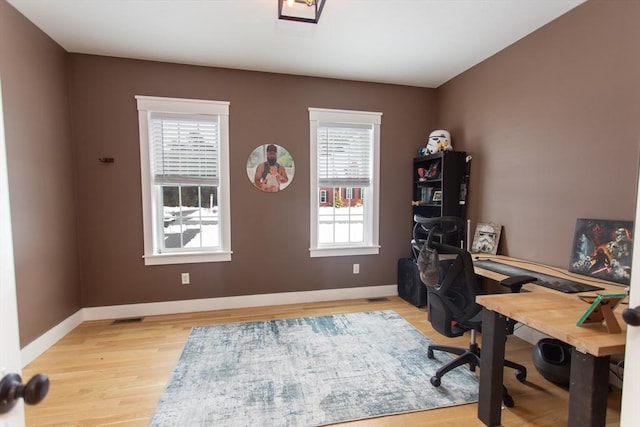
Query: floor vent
[129, 320]
[381, 299]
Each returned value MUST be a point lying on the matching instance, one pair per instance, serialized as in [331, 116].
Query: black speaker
[410, 287]
[552, 358]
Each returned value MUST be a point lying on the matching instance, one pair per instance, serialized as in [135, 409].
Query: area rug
[308, 371]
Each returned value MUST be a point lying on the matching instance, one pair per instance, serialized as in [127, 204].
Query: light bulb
[290, 3]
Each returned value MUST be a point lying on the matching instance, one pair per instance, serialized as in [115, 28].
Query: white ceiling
[409, 42]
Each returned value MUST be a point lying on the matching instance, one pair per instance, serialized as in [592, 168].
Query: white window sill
[344, 251]
[186, 258]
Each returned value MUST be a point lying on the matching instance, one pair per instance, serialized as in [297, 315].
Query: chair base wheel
[435, 381]
[508, 401]
[521, 376]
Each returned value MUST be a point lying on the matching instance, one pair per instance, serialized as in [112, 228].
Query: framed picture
[270, 168]
[602, 248]
[437, 196]
[486, 238]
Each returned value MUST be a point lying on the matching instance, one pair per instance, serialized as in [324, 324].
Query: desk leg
[494, 332]
[589, 390]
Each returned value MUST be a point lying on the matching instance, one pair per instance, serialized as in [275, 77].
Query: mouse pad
[546, 280]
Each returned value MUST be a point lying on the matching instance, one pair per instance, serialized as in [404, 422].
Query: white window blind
[344, 154]
[185, 150]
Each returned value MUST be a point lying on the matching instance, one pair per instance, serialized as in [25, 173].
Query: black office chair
[452, 287]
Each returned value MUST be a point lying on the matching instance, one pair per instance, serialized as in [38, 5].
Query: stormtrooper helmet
[439, 140]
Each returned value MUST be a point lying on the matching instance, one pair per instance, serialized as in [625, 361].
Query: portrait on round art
[270, 168]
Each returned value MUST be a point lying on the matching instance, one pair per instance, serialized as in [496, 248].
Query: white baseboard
[38, 346]
[34, 349]
[528, 334]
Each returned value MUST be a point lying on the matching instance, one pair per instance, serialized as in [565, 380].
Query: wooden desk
[555, 314]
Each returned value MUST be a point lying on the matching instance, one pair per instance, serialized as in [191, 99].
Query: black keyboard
[546, 280]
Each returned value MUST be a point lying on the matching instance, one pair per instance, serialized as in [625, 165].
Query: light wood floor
[105, 374]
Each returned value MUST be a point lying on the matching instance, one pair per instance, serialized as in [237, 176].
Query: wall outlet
[356, 268]
[185, 278]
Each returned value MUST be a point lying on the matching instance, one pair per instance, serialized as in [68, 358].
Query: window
[184, 146]
[323, 196]
[345, 147]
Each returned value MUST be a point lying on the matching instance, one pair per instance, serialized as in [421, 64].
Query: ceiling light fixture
[300, 10]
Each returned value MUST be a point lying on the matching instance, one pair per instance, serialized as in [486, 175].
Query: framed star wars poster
[602, 248]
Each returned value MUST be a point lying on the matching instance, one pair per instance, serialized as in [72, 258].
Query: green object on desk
[596, 311]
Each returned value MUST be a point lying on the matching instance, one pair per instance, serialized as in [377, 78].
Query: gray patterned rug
[308, 371]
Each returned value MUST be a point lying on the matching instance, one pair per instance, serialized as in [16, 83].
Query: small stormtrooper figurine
[439, 140]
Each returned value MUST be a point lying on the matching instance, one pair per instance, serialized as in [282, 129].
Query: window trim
[371, 246]
[145, 105]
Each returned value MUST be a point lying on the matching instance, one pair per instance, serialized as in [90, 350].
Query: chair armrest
[515, 283]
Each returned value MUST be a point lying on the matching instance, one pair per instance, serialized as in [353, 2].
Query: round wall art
[270, 168]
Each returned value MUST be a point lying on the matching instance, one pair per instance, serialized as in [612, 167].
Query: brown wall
[553, 124]
[270, 232]
[40, 164]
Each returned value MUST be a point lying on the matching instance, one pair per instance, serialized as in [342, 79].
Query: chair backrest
[448, 272]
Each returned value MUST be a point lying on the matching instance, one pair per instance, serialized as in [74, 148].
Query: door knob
[11, 389]
[632, 316]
